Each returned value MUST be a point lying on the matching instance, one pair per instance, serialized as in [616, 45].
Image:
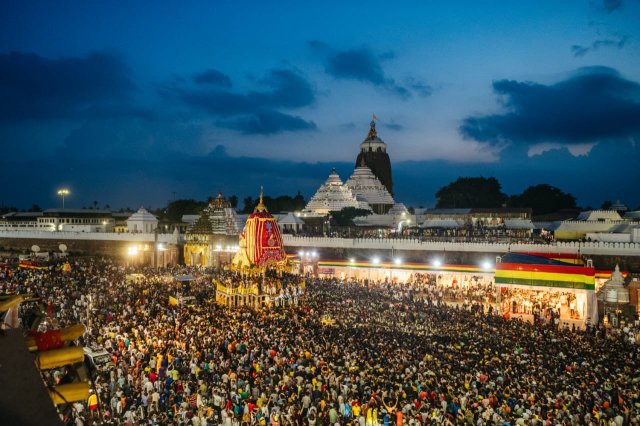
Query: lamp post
[63, 192]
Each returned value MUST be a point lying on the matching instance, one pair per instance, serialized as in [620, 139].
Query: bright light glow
[64, 192]
[315, 254]
[352, 260]
[160, 246]
[486, 265]
[300, 253]
[437, 263]
[375, 260]
[397, 261]
[132, 251]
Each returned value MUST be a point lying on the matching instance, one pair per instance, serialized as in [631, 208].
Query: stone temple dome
[333, 195]
[366, 186]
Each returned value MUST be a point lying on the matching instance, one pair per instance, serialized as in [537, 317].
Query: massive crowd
[389, 357]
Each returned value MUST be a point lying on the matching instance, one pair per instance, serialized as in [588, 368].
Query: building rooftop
[333, 195]
[363, 183]
[142, 215]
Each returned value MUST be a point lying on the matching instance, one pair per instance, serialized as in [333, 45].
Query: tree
[7, 209]
[282, 203]
[178, 208]
[345, 216]
[233, 200]
[249, 205]
[543, 199]
[606, 205]
[471, 192]
[35, 208]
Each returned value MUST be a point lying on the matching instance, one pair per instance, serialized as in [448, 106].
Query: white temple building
[333, 195]
[614, 291]
[366, 186]
[142, 221]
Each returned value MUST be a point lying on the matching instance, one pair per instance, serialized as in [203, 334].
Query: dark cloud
[611, 5]
[214, 78]
[419, 87]
[595, 104]
[357, 64]
[579, 51]
[347, 127]
[34, 87]
[364, 65]
[254, 112]
[124, 181]
[393, 126]
[267, 122]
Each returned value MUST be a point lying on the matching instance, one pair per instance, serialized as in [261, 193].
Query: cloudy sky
[136, 104]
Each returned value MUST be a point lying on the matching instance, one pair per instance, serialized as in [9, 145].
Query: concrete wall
[588, 248]
[94, 244]
[605, 256]
[92, 236]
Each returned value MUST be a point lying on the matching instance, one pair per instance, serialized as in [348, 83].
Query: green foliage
[543, 199]
[7, 209]
[283, 203]
[471, 192]
[176, 209]
[345, 216]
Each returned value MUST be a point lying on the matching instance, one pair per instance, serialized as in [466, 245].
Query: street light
[63, 192]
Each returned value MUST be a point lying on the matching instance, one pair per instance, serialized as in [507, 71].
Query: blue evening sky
[127, 103]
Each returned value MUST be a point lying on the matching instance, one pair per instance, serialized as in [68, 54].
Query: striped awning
[545, 275]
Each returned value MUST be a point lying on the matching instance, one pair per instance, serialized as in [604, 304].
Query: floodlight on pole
[63, 192]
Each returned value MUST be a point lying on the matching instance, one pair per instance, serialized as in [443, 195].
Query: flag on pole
[173, 301]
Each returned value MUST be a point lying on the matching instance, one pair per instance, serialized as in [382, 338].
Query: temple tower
[373, 152]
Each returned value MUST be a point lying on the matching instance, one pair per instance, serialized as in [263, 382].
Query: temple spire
[260, 207]
[373, 134]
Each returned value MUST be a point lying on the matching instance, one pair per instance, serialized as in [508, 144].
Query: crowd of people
[386, 357]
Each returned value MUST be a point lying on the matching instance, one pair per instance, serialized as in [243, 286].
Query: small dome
[613, 290]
